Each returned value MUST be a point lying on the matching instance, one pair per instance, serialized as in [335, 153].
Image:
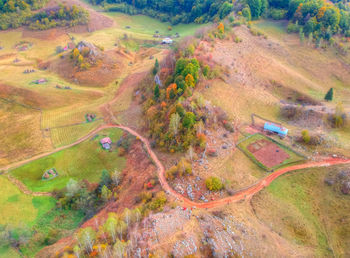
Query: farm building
[274, 128]
[50, 174]
[106, 143]
[167, 41]
[40, 81]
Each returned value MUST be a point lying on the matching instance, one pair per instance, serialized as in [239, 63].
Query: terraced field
[66, 135]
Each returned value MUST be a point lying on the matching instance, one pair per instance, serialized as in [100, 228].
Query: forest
[178, 11]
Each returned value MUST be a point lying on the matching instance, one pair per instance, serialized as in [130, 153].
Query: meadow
[317, 69]
[86, 160]
[20, 209]
[36, 216]
[139, 28]
[304, 210]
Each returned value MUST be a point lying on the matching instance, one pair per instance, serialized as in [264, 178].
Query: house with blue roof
[274, 128]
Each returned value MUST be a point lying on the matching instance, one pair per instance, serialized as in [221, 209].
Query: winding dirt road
[241, 195]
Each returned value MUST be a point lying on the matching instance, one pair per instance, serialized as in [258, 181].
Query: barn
[167, 41]
[274, 128]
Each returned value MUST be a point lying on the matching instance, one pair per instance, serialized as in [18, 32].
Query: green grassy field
[293, 157]
[83, 161]
[146, 25]
[18, 208]
[304, 210]
[141, 28]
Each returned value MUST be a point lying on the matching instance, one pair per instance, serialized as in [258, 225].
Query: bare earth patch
[268, 153]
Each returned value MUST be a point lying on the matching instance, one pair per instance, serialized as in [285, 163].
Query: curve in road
[241, 195]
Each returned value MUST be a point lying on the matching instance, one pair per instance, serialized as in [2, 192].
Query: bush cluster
[214, 184]
[15, 13]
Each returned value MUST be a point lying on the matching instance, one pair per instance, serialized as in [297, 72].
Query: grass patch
[18, 208]
[7, 251]
[83, 161]
[274, 28]
[146, 25]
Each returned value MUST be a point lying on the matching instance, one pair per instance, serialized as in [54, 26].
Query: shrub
[237, 39]
[183, 168]
[214, 184]
[145, 196]
[277, 14]
[206, 70]
[292, 27]
[158, 202]
[59, 49]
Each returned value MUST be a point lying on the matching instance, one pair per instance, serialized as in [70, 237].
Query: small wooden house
[106, 143]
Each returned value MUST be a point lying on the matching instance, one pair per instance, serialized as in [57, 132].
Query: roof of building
[167, 40]
[106, 146]
[106, 140]
[275, 128]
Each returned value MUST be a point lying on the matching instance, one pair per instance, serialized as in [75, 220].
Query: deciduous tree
[174, 123]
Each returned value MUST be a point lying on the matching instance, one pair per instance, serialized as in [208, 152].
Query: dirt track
[241, 195]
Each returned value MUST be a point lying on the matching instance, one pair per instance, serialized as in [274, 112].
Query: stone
[345, 189]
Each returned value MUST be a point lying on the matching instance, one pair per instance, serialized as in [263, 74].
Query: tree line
[174, 11]
[318, 18]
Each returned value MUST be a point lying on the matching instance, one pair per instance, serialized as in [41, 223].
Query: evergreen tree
[105, 179]
[329, 95]
[156, 67]
[156, 92]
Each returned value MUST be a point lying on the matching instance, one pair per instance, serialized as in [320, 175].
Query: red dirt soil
[268, 153]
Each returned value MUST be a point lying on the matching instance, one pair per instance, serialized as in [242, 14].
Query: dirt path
[238, 196]
[247, 193]
[24, 188]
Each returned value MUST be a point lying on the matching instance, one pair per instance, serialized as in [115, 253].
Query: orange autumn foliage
[201, 137]
[189, 80]
[221, 27]
[171, 87]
